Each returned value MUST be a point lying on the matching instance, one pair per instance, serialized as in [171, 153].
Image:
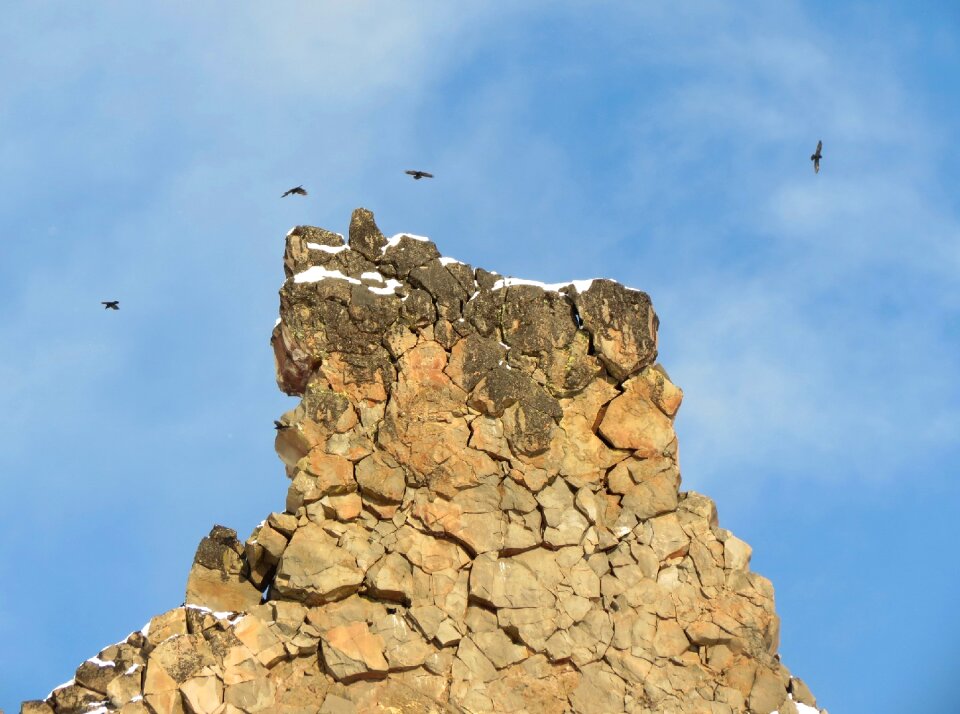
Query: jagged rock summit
[483, 516]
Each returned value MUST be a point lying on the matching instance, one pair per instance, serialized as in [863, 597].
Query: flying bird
[279, 425]
[816, 158]
[417, 175]
[110, 304]
[299, 191]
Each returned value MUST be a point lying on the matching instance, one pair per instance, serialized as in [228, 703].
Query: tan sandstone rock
[483, 515]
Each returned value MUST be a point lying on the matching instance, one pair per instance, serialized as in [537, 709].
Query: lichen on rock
[483, 515]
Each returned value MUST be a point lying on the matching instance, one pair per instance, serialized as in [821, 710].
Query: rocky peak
[483, 515]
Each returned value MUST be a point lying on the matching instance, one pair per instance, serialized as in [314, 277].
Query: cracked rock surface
[483, 515]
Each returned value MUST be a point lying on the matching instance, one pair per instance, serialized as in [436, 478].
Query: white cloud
[801, 314]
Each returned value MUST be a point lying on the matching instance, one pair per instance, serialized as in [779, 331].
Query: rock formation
[483, 516]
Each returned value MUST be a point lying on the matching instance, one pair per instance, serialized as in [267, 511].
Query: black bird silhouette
[816, 158]
[279, 425]
[110, 304]
[298, 190]
[417, 175]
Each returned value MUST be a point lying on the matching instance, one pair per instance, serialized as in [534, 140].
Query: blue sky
[811, 320]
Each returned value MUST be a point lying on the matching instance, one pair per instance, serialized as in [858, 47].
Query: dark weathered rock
[463, 274]
[74, 699]
[370, 312]
[471, 359]
[365, 237]
[96, 675]
[218, 549]
[293, 363]
[570, 369]
[407, 254]
[320, 236]
[348, 262]
[447, 291]
[501, 388]
[299, 255]
[536, 322]
[330, 409]
[483, 311]
[622, 324]
[418, 309]
[217, 579]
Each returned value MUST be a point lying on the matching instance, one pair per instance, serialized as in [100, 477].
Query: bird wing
[411, 173]
[819, 146]
[424, 173]
[816, 165]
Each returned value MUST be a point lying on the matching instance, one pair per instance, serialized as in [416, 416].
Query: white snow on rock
[317, 273]
[388, 289]
[580, 285]
[510, 282]
[395, 240]
[583, 285]
[801, 708]
[328, 248]
[102, 663]
[224, 615]
[59, 687]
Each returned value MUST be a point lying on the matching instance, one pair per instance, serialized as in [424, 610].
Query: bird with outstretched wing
[816, 158]
[297, 190]
[110, 304]
[417, 175]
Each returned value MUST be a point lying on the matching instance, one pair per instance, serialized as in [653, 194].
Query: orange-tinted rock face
[483, 516]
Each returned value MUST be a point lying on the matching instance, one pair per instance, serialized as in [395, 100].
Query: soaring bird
[816, 158]
[417, 175]
[110, 304]
[279, 425]
[299, 190]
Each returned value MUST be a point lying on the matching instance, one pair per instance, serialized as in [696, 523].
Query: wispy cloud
[788, 298]
[810, 319]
